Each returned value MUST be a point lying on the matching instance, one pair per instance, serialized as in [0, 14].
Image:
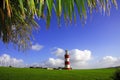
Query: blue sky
[100, 35]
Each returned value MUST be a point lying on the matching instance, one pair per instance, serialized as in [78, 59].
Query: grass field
[42, 74]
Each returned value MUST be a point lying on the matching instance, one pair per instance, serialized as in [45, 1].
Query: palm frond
[17, 16]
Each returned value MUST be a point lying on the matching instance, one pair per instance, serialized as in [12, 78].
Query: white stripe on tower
[67, 60]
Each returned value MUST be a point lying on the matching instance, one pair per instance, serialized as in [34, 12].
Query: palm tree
[17, 16]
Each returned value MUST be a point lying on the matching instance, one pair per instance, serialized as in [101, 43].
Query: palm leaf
[8, 8]
[22, 7]
[49, 11]
[40, 8]
[20, 14]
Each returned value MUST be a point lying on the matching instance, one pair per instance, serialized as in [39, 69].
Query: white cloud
[79, 55]
[108, 61]
[59, 52]
[78, 58]
[54, 62]
[6, 60]
[37, 47]
[83, 59]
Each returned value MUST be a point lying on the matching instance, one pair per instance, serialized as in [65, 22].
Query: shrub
[116, 75]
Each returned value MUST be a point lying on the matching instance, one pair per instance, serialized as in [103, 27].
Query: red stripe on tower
[67, 60]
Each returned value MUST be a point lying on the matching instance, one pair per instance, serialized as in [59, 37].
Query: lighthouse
[67, 60]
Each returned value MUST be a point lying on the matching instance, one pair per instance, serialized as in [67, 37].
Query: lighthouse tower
[67, 60]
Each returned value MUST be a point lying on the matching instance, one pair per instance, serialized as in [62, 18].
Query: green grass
[41, 74]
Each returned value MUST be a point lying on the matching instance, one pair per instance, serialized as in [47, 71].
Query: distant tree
[17, 17]
[10, 66]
